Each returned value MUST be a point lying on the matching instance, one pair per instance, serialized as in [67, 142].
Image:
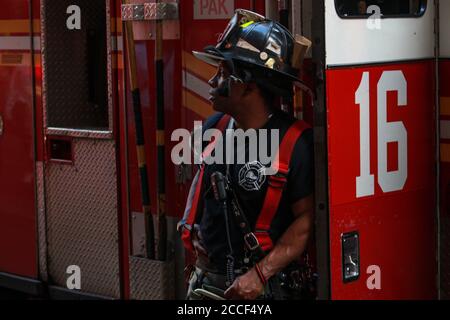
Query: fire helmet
[262, 47]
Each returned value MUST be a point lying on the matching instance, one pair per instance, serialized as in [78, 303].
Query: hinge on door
[150, 11]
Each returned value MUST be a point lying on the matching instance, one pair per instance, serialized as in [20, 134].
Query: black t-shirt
[250, 186]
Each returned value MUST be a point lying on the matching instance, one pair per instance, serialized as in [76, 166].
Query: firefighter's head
[254, 55]
[230, 93]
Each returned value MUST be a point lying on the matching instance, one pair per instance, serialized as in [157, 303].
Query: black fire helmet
[261, 47]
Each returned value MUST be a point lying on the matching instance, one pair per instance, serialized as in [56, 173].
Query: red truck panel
[17, 188]
[396, 229]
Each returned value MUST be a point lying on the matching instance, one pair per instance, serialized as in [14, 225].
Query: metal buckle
[279, 180]
[251, 241]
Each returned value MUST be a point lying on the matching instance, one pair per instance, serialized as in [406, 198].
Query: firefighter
[246, 227]
[362, 7]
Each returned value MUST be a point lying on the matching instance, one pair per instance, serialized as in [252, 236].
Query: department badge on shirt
[252, 176]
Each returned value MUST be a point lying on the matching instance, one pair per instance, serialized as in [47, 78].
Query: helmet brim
[214, 57]
[209, 58]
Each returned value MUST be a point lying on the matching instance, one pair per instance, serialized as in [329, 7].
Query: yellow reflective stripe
[245, 25]
[445, 152]
[116, 25]
[9, 26]
[141, 156]
[445, 106]
[160, 138]
[117, 61]
[14, 59]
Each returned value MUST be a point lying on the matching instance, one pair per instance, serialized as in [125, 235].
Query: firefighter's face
[362, 7]
[226, 94]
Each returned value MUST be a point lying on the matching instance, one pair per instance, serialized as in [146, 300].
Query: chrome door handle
[1, 125]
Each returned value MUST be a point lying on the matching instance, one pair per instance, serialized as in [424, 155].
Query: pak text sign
[213, 9]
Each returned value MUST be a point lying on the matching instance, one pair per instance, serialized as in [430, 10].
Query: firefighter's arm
[294, 240]
[290, 247]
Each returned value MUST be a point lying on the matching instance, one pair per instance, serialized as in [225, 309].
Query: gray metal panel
[82, 218]
[151, 280]
[138, 237]
[42, 225]
[77, 133]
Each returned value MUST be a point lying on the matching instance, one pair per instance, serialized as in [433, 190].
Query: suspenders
[196, 190]
[277, 184]
[261, 237]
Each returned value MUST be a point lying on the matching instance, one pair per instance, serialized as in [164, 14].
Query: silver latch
[350, 257]
[150, 11]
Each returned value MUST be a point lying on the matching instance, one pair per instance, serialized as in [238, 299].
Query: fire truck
[74, 218]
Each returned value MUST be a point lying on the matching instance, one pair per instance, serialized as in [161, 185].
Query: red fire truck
[70, 197]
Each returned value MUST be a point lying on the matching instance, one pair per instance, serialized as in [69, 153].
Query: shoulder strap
[196, 189]
[277, 183]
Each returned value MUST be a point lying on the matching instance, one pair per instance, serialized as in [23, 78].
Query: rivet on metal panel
[138, 12]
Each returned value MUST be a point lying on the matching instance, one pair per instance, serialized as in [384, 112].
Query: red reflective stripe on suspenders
[277, 183]
[187, 232]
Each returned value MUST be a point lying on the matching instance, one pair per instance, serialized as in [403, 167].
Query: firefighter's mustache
[224, 89]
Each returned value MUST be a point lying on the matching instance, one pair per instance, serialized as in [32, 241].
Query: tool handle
[218, 183]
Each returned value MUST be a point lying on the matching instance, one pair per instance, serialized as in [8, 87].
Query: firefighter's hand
[246, 287]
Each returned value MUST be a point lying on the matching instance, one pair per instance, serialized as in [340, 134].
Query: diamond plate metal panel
[82, 218]
[445, 257]
[150, 11]
[151, 280]
[67, 69]
[42, 225]
[127, 12]
[161, 11]
[108, 135]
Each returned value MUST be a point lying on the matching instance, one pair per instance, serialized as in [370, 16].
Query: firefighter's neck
[253, 115]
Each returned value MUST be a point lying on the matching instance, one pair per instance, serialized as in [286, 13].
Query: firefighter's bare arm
[288, 248]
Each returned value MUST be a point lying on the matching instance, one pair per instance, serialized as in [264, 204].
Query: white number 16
[387, 132]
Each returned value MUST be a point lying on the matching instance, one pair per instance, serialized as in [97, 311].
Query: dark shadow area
[75, 65]
[348, 8]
